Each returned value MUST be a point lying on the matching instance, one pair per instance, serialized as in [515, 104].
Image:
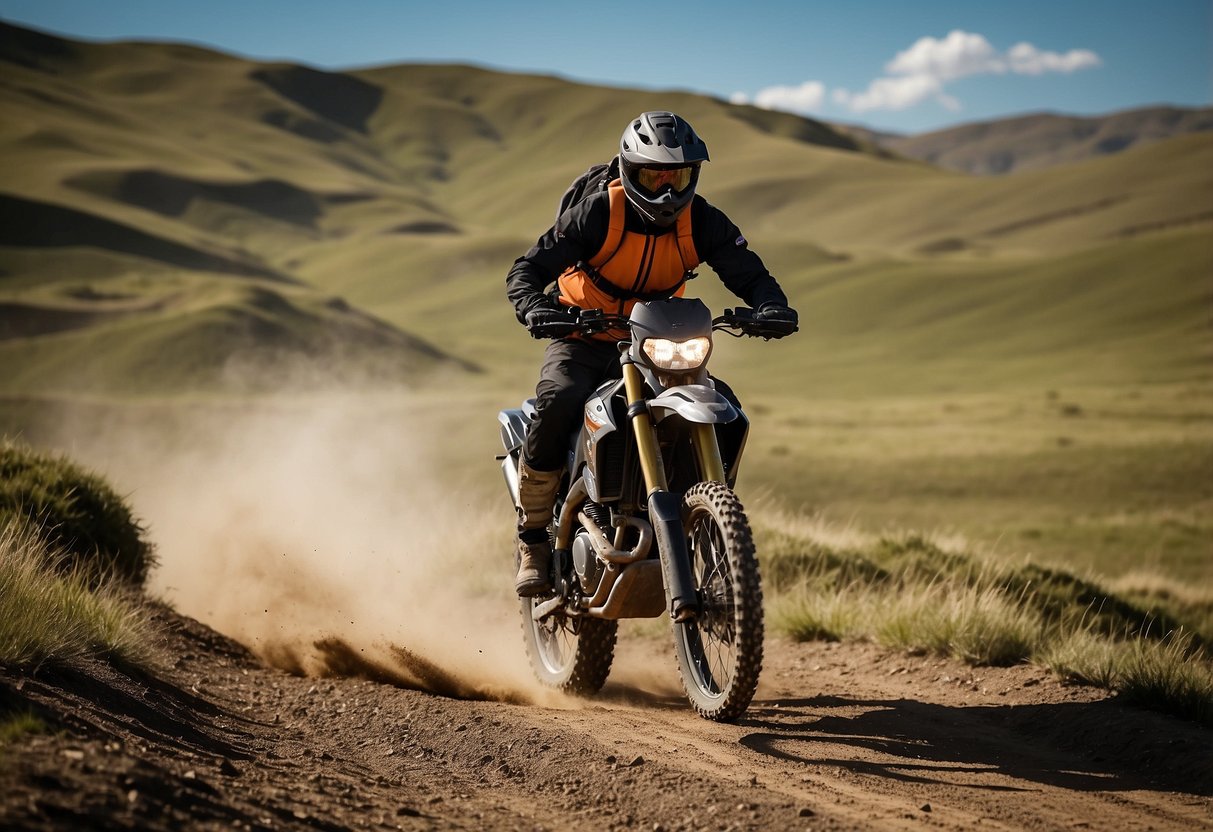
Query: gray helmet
[659, 158]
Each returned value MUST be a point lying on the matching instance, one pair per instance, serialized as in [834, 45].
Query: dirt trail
[839, 737]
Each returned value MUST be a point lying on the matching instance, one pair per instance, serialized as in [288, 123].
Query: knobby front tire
[720, 651]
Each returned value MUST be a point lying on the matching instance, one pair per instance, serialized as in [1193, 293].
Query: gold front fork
[646, 438]
[707, 449]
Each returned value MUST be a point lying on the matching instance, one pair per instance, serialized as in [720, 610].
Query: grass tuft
[1082, 656]
[978, 625]
[1185, 602]
[810, 613]
[15, 726]
[89, 525]
[56, 616]
[1168, 676]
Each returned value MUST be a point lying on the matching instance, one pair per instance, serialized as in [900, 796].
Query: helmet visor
[655, 179]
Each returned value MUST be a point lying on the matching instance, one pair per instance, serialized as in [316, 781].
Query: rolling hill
[170, 211]
[1040, 140]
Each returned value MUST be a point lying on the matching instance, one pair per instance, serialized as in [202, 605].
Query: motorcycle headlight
[677, 355]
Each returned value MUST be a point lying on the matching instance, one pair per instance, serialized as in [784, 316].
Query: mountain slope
[1044, 140]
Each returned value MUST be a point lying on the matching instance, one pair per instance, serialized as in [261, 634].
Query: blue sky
[904, 66]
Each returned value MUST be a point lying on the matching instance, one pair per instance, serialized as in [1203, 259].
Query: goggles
[654, 179]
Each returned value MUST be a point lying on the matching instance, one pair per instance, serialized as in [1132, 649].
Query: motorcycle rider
[639, 239]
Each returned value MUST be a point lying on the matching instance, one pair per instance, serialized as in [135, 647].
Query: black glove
[551, 321]
[778, 320]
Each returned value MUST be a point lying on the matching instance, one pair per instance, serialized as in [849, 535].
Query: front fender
[696, 403]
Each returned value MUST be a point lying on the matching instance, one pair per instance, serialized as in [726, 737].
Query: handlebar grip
[747, 322]
[554, 330]
[550, 323]
[775, 328]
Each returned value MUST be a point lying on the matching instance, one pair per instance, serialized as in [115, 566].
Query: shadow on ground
[1080, 746]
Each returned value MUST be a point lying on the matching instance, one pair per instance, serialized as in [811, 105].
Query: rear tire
[570, 654]
[720, 651]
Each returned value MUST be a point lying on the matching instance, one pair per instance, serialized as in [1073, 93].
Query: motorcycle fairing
[599, 444]
[703, 404]
[696, 403]
[514, 423]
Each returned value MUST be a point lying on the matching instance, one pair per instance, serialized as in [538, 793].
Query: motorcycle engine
[585, 562]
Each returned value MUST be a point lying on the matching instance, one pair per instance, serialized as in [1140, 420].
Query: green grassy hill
[169, 189]
[154, 198]
[979, 353]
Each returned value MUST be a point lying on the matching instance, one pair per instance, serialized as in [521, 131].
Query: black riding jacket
[581, 230]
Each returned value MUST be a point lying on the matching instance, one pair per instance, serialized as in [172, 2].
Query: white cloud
[957, 55]
[804, 99]
[890, 94]
[1026, 59]
[921, 72]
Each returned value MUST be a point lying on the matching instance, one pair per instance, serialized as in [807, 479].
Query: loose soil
[839, 737]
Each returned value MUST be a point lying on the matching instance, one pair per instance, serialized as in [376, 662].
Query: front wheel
[720, 650]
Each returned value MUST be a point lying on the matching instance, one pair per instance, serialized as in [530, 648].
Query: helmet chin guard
[659, 159]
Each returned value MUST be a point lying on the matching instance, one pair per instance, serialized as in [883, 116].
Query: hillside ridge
[1036, 141]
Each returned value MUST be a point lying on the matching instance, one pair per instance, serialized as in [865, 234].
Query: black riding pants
[572, 370]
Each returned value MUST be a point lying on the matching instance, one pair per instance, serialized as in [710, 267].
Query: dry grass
[1169, 672]
[980, 625]
[810, 612]
[1082, 656]
[909, 593]
[15, 726]
[53, 617]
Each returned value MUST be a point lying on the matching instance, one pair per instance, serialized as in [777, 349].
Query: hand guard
[778, 320]
[551, 322]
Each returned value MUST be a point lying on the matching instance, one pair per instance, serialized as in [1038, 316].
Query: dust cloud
[339, 533]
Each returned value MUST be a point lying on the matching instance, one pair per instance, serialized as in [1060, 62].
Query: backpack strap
[589, 183]
[686, 244]
[615, 229]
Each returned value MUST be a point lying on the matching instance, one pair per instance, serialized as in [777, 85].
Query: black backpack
[594, 180]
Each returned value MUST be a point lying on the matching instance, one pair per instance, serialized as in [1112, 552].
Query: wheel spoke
[558, 641]
[713, 632]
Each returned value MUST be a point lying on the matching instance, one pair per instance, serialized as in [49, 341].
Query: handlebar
[595, 321]
[573, 322]
[735, 322]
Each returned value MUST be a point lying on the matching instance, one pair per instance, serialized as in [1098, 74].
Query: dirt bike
[646, 522]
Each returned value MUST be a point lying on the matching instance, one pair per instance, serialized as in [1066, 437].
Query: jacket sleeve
[577, 235]
[722, 246]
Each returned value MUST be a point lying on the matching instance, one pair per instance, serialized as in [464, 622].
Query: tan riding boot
[534, 567]
[536, 493]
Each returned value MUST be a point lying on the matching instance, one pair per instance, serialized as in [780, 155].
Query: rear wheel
[720, 650]
[569, 653]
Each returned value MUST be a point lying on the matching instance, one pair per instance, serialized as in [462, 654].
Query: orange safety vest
[630, 266]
